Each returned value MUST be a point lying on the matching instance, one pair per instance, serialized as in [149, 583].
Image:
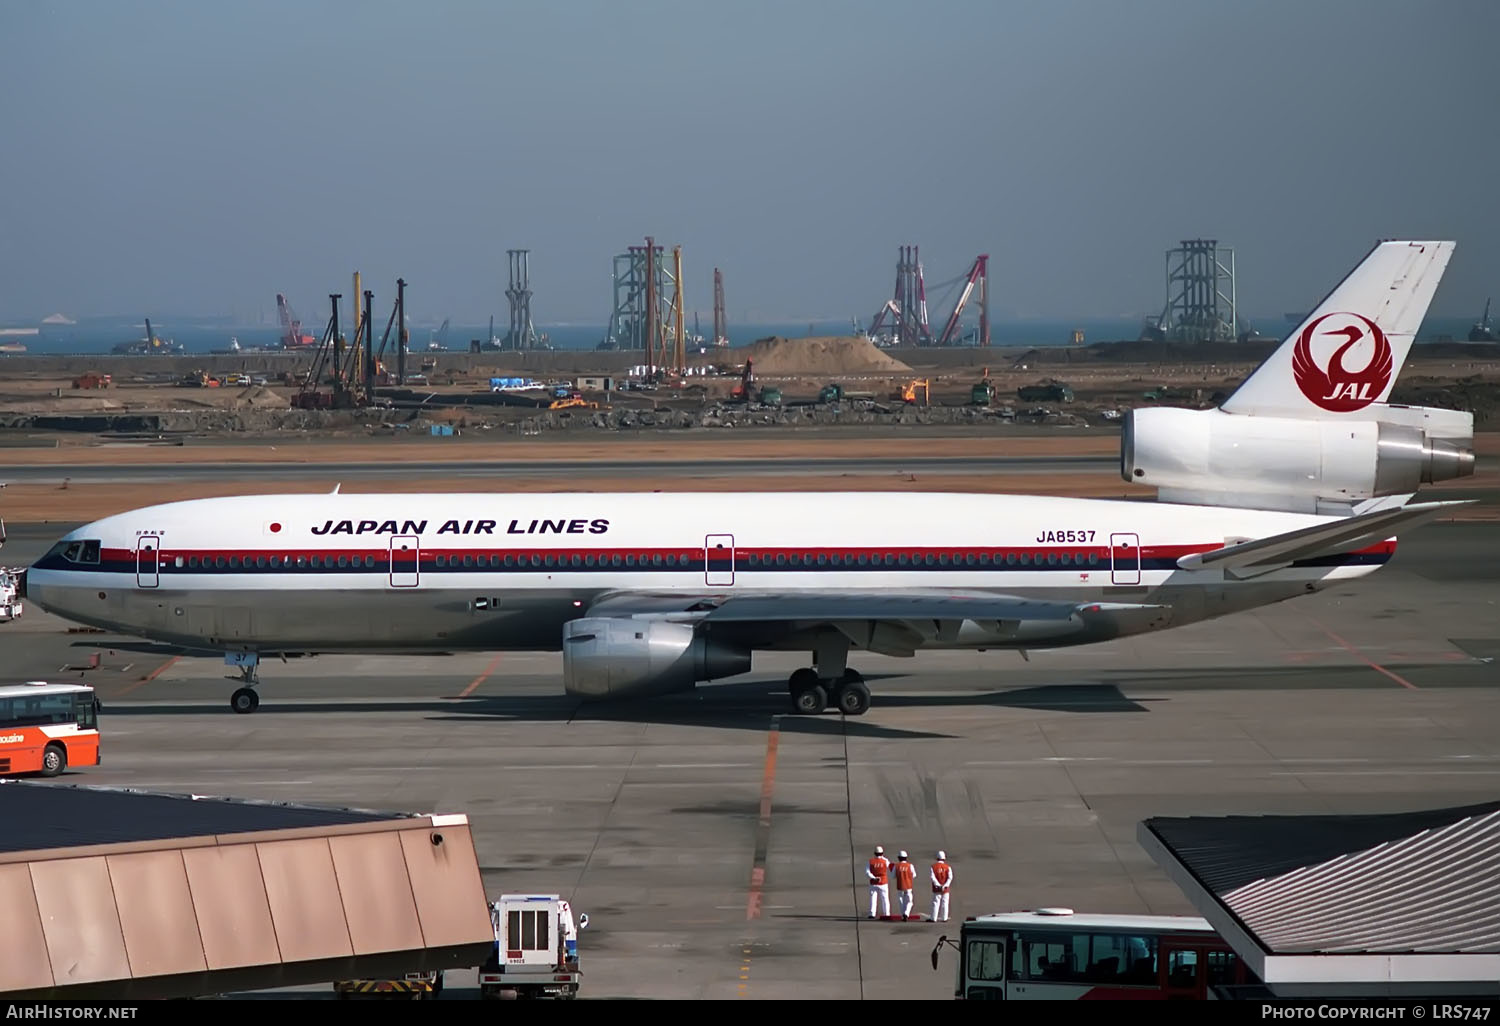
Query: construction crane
[291, 328]
[978, 275]
[908, 307]
[721, 321]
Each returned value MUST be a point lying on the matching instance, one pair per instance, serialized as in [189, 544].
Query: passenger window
[781, 559]
[301, 562]
[575, 559]
[656, 559]
[468, 560]
[510, 560]
[943, 559]
[234, 562]
[260, 562]
[588, 560]
[481, 603]
[343, 562]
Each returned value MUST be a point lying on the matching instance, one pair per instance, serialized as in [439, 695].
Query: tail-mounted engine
[1213, 458]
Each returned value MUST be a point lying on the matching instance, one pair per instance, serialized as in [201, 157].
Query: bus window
[1224, 968]
[86, 709]
[38, 711]
[1109, 958]
[1182, 968]
[986, 960]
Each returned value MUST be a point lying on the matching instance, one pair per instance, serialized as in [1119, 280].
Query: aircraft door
[147, 547]
[1125, 559]
[406, 550]
[718, 560]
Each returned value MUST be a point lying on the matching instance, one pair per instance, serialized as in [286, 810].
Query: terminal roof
[38, 815]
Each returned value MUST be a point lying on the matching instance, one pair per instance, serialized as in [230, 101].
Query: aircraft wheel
[810, 701]
[801, 680]
[853, 698]
[245, 700]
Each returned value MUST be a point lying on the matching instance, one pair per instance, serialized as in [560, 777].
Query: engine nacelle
[1284, 463]
[608, 657]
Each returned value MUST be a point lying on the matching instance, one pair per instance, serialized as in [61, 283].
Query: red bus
[1058, 955]
[45, 728]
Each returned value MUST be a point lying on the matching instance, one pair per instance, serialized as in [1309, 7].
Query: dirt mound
[262, 399]
[828, 355]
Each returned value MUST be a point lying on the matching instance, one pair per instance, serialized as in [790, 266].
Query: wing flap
[1347, 535]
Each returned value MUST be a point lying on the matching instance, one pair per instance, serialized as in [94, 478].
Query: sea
[91, 335]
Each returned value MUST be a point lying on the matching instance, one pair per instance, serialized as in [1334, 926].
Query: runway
[579, 470]
[717, 843]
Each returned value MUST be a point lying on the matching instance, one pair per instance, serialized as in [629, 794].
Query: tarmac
[717, 842]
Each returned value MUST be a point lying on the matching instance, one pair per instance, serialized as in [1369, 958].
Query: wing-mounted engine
[1214, 458]
[616, 657]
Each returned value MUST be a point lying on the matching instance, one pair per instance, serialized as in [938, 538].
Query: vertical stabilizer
[1345, 356]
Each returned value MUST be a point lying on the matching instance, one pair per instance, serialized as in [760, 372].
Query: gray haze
[197, 158]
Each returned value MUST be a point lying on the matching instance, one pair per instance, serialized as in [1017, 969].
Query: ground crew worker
[906, 878]
[878, 870]
[942, 883]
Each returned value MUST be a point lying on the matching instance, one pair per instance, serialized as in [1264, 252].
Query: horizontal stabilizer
[1347, 535]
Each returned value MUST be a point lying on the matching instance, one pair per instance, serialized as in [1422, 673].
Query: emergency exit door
[1125, 559]
[147, 548]
[718, 560]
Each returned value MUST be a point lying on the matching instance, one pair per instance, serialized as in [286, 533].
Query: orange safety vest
[905, 876]
[942, 873]
[880, 866]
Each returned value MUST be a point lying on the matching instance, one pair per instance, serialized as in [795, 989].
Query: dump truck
[834, 392]
[536, 948]
[92, 379]
[770, 396]
[1055, 392]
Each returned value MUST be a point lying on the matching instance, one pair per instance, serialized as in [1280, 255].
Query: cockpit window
[77, 551]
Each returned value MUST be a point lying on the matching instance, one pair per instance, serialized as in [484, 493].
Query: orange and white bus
[45, 728]
[1059, 955]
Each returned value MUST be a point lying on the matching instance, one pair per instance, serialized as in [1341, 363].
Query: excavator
[908, 392]
[745, 390]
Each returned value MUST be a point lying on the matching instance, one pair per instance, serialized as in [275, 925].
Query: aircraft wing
[1347, 535]
[894, 622]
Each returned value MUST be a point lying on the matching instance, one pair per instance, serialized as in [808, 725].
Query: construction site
[361, 376]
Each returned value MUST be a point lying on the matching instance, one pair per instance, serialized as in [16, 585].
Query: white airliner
[1299, 480]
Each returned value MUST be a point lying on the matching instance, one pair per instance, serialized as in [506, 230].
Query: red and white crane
[291, 328]
[978, 275]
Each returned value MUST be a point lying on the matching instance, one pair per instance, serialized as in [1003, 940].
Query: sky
[197, 158]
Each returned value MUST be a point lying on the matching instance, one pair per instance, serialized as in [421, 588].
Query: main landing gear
[811, 694]
[244, 700]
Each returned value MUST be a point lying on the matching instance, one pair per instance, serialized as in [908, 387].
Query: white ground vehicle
[536, 948]
[10, 595]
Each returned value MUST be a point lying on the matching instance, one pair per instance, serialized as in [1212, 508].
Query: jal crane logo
[1338, 389]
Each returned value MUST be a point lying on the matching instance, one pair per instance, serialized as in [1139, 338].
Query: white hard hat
[902, 855]
[942, 856]
[879, 850]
